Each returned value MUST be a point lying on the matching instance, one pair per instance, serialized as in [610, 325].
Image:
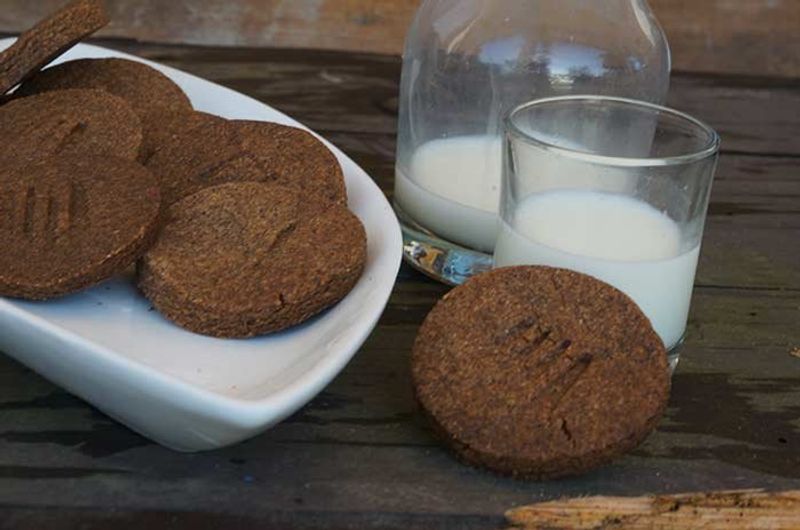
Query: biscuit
[246, 258]
[236, 151]
[147, 90]
[540, 373]
[48, 39]
[72, 221]
[169, 127]
[68, 122]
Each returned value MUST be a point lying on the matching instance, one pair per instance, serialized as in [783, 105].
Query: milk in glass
[615, 238]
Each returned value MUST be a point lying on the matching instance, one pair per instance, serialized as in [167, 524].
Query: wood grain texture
[723, 36]
[360, 455]
[731, 510]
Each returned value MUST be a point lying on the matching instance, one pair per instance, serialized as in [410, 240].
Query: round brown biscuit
[246, 258]
[237, 151]
[66, 123]
[146, 89]
[48, 39]
[538, 372]
[73, 221]
[165, 128]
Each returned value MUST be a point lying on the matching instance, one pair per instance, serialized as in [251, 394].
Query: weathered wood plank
[730, 36]
[265, 476]
[125, 519]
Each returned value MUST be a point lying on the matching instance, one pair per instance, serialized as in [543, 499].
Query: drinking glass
[614, 188]
[466, 64]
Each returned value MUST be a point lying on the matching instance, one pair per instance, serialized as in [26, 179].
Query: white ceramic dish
[186, 391]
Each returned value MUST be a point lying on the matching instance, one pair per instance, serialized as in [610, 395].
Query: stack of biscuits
[237, 228]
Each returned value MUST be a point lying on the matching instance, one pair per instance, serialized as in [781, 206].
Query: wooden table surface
[360, 455]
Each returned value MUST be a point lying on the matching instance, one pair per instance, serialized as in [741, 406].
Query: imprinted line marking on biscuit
[217, 168]
[241, 167]
[77, 129]
[64, 198]
[52, 215]
[530, 338]
[67, 211]
[280, 236]
[78, 206]
[40, 218]
[561, 377]
[572, 376]
[553, 354]
[566, 431]
[527, 336]
[48, 215]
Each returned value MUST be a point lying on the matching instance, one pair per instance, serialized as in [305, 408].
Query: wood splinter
[727, 510]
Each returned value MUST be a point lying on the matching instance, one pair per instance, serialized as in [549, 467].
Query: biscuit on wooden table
[540, 373]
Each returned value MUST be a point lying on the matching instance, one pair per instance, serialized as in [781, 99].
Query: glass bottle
[466, 64]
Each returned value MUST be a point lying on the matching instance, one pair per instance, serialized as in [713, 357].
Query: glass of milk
[614, 188]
